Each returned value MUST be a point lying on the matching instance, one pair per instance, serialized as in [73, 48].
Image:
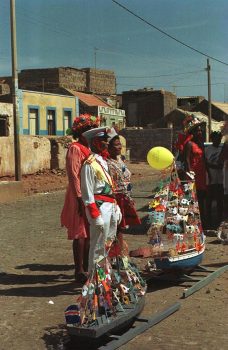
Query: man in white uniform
[97, 193]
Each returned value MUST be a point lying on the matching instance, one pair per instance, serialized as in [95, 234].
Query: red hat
[83, 123]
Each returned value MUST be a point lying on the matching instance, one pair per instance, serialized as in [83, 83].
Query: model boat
[175, 230]
[182, 261]
[110, 300]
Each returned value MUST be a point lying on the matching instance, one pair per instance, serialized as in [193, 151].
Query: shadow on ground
[215, 241]
[13, 279]
[57, 338]
[46, 285]
[42, 291]
[143, 209]
[139, 229]
[216, 264]
[45, 267]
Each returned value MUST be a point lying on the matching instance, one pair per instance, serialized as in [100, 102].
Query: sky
[101, 34]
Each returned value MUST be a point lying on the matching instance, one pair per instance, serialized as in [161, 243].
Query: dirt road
[36, 282]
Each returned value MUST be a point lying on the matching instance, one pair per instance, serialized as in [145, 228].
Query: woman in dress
[73, 213]
[191, 145]
[121, 176]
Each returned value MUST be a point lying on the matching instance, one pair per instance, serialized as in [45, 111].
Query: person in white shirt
[102, 210]
[215, 178]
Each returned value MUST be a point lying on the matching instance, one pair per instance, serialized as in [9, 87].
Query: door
[33, 121]
[51, 122]
[66, 121]
[4, 126]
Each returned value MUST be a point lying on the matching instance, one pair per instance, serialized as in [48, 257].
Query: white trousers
[99, 234]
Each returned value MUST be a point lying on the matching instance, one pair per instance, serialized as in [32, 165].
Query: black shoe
[81, 277]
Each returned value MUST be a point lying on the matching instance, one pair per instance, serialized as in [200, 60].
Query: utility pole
[225, 93]
[95, 58]
[17, 152]
[95, 65]
[208, 69]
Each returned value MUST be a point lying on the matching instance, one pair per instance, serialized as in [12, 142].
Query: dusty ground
[55, 180]
[36, 280]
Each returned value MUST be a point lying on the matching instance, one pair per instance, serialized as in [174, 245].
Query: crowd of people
[98, 205]
[208, 166]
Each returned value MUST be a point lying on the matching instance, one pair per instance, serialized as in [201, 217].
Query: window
[120, 124]
[103, 121]
[67, 120]
[33, 121]
[4, 129]
[51, 122]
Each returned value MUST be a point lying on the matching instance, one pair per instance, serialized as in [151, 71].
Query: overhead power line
[170, 36]
[143, 57]
[177, 86]
[199, 85]
[158, 76]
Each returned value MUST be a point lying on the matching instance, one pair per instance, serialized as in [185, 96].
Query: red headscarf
[103, 152]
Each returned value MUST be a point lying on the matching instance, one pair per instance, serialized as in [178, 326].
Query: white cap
[100, 132]
[96, 132]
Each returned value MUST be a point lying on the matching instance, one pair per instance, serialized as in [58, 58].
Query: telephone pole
[95, 65]
[17, 152]
[95, 58]
[208, 69]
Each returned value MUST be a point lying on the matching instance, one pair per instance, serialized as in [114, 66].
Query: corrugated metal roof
[222, 106]
[172, 116]
[183, 113]
[89, 99]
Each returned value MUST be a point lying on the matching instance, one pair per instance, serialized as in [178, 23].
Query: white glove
[98, 221]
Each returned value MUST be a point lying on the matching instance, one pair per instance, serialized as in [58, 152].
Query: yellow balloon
[160, 158]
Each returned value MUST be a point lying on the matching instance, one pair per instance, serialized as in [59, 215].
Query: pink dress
[77, 226]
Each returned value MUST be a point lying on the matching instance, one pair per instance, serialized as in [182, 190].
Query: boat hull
[184, 261]
[113, 324]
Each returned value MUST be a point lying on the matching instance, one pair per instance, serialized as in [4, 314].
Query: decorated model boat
[110, 300]
[175, 227]
[182, 261]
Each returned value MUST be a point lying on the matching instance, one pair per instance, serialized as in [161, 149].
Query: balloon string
[167, 172]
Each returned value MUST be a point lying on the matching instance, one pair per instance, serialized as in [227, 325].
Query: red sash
[100, 197]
